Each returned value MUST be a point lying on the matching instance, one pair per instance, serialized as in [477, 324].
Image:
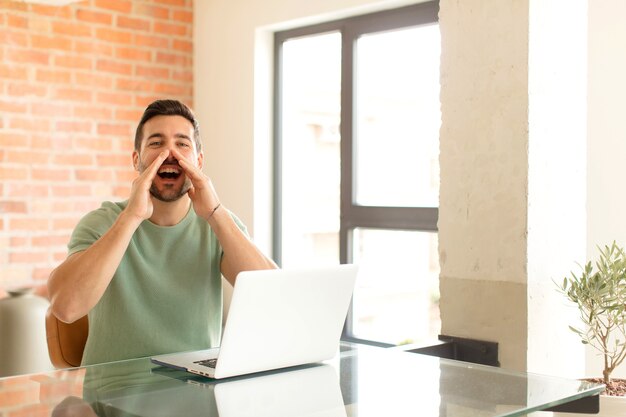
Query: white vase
[23, 346]
[610, 406]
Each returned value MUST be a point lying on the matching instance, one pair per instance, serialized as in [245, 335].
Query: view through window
[390, 143]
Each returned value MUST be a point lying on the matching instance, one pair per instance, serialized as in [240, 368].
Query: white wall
[228, 37]
[232, 97]
[606, 152]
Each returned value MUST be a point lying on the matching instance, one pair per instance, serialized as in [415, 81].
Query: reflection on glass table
[359, 381]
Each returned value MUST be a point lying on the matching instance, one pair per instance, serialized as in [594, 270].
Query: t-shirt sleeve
[91, 228]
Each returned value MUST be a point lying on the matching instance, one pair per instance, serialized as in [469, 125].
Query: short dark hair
[168, 108]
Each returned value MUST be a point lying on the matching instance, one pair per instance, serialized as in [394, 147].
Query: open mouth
[169, 172]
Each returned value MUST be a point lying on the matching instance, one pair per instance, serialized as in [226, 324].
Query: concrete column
[506, 222]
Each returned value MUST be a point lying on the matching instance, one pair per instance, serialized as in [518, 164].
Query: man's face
[164, 133]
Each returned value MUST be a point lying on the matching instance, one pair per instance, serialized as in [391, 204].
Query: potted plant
[600, 294]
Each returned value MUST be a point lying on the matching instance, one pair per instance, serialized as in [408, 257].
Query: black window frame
[352, 216]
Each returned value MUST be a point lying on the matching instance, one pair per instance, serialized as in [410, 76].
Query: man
[148, 270]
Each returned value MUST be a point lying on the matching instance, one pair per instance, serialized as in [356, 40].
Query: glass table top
[359, 381]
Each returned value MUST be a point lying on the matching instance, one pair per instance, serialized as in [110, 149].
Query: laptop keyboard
[209, 363]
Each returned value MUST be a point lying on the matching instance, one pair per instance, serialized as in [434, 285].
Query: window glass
[310, 180]
[397, 118]
[396, 299]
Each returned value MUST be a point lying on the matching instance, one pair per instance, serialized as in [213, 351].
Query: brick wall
[74, 81]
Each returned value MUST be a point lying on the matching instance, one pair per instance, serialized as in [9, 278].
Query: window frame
[352, 216]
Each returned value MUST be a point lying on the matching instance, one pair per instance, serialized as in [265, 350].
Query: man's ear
[200, 159]
[136, 160]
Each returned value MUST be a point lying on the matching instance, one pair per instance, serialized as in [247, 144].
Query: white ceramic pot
[609, 407]
[23, 347]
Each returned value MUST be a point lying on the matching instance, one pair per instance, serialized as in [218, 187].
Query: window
[356, 163]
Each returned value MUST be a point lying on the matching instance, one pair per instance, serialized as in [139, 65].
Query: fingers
[193, 172]
[149, 174]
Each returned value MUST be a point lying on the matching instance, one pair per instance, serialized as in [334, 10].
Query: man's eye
[184, 144]
[156, 143]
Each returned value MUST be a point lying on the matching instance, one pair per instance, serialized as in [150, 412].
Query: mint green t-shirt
[166, 294]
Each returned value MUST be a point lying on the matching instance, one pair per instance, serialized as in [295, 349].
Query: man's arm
[240, 253]
[77, 285]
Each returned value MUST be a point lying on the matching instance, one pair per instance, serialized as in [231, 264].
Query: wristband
[214, 210]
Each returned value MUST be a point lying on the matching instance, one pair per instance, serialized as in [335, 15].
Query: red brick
[22, 90]
[12, 107]
[114, 129]
[14, 72]
[73, 126]
[29, 224]
[93, 112]
[123, 6]
[126, 176]
[99, 49]
[133, 54]
[119, 160]
[19, 241]
[12, 207]
[13, 38]
[133, 84]
[73, 159]
[116, 67]
[29, 124]
[52, 11]
[43, 274]
[152, 11]
[73, 94]
[122, 99]
[171, 89]
[48, 142]
[91, 16]
[50, 240]
[104, 81]
[28, 257]
[51, 42]
[170, 29]
[151, 40]
[17, 21]
[67, 223]
[95, 144]
[121, 192]
[73, 61]
[180, 3]
[133, 23]
[50, 174]
[48, 109]
[24, 189]
[112, 35]
[71, 29]
[152, 72]
[182, 46]
[7, 173]
[27, 56]
[130, 115]
[184, 76]
[94, 175]
[29, 157]
[53, 76]
[71, 190]
[182, 16]
[173, 59]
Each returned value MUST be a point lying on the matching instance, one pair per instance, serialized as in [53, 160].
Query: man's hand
[140, 202]
[201, 193]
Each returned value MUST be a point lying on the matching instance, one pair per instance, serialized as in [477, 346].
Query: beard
[169, 192]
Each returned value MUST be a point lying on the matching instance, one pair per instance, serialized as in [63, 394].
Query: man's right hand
[140, 201]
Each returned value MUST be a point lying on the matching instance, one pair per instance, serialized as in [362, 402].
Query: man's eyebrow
[177, 135]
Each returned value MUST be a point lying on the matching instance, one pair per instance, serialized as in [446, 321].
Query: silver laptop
[277, 318]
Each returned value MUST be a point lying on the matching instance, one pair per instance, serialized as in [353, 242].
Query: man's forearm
[77, 285]
[240, 253]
